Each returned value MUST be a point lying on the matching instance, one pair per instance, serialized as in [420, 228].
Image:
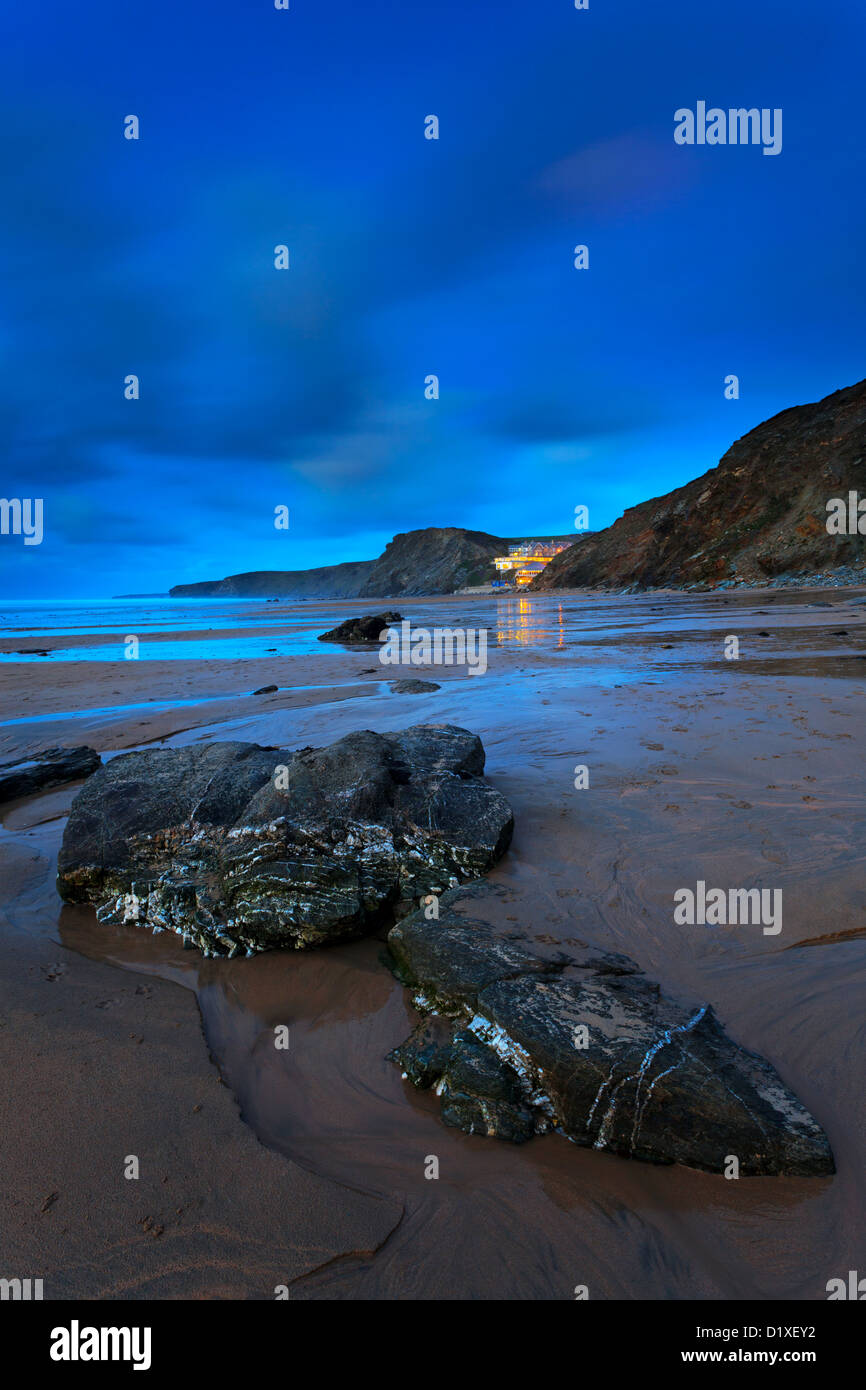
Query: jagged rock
[366, 629]
[50, 768]
[413, 687]
[655, 1081]
[235, 846]
[480, 1093]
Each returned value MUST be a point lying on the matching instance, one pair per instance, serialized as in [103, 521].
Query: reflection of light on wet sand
[515, 623]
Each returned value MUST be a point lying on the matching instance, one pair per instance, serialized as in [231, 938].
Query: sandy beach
[306, 1168]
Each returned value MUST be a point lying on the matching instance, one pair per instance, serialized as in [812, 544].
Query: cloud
[632, 171]
[581, 413]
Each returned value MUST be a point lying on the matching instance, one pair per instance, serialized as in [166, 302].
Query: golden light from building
[523, 562]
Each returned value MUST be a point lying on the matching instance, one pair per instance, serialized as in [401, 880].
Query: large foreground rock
[50, 768]
[650, 1079]
[235, 846]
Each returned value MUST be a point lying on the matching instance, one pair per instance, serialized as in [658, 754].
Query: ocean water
[217, 623]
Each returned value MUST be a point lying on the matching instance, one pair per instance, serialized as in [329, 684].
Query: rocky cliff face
[761, 514]
[436, 560]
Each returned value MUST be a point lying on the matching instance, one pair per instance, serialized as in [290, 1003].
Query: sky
[304, 388]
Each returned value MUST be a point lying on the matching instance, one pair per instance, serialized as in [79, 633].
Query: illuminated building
[524, 561]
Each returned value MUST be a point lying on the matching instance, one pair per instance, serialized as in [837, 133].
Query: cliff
[760, 514]
[435, 561]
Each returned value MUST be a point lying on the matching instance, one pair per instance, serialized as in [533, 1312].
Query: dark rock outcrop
[759, 515]
[506, 1051]
[50, 768]
[235, 846]
[366, 630]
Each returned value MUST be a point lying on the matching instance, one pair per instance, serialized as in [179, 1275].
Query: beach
[304, 1170]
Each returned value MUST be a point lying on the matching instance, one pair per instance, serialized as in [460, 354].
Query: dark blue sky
[408, 257]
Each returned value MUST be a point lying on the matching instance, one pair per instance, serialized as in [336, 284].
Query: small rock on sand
[413, 687]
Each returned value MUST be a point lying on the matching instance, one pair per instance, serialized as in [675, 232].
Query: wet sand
[306, 1167]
